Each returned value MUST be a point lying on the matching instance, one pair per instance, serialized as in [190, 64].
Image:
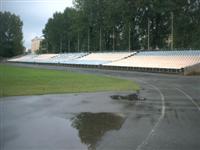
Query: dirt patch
[130, 97]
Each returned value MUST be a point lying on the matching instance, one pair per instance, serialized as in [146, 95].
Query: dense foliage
[11, 35]
[99, 25]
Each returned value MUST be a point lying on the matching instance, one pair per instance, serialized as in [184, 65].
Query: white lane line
[139, 147]
[190, 98]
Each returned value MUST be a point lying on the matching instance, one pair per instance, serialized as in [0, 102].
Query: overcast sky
[34, 14]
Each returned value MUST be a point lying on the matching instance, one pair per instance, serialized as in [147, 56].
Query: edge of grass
[55, 78]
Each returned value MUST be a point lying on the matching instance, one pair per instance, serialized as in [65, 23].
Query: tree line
[121, 25]
[11, 35]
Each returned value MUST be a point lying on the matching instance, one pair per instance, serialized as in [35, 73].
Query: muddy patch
[130, 97]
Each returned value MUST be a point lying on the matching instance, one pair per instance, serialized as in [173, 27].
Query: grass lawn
[28, 81]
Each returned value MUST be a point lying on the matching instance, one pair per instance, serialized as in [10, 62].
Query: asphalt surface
[167, 119]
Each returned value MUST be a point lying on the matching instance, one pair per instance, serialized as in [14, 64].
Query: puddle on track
[76, 131]
[92, 126]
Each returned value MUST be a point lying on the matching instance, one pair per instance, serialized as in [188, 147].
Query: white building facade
[35, 44]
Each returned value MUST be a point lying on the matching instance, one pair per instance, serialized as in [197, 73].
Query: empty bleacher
[67, 58]
[25, 58]
[110, 57]
[44, 58]
[159, 61]
[170, 53]
[103, 58]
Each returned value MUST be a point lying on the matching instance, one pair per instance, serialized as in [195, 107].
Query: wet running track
[168, 118]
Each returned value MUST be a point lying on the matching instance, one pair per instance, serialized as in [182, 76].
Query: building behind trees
[35, 44]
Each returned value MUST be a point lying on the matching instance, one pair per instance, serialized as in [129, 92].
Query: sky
[34, 14]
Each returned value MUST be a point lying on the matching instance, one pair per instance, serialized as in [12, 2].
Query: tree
[187, 24]
[98, 25]
[11, 35]
[60, 31]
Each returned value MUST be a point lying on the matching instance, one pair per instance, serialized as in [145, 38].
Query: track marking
[139, 147]
[190, 98]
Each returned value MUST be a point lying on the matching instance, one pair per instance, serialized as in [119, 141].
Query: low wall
[141, 69]
[192, 70]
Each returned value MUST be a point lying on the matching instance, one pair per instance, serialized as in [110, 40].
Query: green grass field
[28, 81]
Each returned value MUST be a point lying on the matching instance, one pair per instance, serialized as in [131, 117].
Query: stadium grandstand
[162, 59]
[103, 58]
[45, 58]
[151, 61]
[25, 58]
[67, 58]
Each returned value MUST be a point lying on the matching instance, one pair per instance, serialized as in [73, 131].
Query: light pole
[88, 40]
[148, 34]
[113, 39]
[61, 44]
[78, 42]
[172, 30]
[100, 47]
[129, 38]
[68, 45]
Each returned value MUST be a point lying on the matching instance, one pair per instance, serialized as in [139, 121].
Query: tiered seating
[106, 56]
[26, 58]
[103, 58]
[160, 59]
[170, 53]
[145, 59]
[67, 58]
[44, 58]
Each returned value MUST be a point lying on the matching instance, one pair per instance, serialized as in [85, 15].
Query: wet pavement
[166, 116]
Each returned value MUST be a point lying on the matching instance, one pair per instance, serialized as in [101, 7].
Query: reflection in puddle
[92, 126]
